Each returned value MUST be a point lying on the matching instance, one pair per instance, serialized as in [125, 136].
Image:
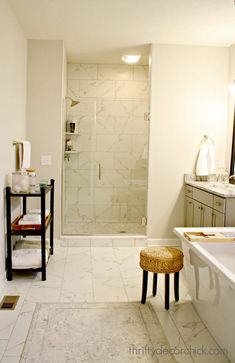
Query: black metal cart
[14, 230]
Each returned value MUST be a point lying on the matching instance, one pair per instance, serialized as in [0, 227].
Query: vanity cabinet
[205, 209]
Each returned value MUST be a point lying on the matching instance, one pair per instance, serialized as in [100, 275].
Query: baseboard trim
[164, 242]
[116, 241]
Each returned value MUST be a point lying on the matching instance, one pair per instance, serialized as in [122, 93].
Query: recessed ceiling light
[131, 59]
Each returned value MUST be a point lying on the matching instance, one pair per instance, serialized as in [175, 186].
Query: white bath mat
[96, 332]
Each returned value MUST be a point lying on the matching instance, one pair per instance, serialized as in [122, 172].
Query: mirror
[232, 164]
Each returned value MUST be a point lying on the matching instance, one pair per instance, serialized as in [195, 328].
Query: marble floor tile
[20, 332]
[109, 289]
[3, 345]
[101, 274]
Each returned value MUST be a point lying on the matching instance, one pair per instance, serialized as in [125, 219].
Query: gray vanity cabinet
[205, 209]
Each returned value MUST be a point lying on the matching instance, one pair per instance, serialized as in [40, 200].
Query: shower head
[73, 102]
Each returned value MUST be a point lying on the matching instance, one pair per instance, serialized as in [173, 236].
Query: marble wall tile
[113, 143]
[113, 178]
[103, 195]
[135, 213]
[105, 158]
[139, 108]
[107, 213]
[84, 161]
[137, 197]
[141, 73]
[97, 89]
[120, 196]
[86, 124]
[86, 142]
[115, 72]
[86, 107]
[72, 91]
[126, 161]
[139, 143]
[113, 107]
[78, 178]
[82, 71]
[129, 89]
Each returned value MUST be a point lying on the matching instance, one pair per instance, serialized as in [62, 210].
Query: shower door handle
[99, 171]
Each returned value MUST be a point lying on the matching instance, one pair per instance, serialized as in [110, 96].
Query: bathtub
[210, 275]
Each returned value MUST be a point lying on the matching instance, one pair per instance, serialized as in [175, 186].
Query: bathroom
[184, 95]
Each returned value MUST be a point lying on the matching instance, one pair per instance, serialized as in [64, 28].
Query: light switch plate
[45, 159]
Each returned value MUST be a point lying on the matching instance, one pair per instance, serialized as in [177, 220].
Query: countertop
[224, 190]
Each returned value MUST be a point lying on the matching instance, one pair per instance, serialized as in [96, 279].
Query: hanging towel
[211, 159]
[25, 154]
[206, 160]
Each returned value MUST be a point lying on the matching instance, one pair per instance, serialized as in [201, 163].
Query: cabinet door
[188, 212]
[218, 219]
[197, 214]
[207, 216]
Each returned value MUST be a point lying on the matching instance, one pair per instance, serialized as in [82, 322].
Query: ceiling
[96, 31]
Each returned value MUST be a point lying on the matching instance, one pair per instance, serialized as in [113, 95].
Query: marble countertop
[224, 190]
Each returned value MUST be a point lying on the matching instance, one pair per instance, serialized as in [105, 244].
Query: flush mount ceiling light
[131, 58]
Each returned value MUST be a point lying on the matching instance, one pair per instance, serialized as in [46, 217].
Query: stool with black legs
[164, 260]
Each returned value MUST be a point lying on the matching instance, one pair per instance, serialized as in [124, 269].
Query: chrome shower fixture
[73, 102]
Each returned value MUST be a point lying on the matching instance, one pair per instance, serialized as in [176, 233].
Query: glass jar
[32, 181]
[20, 181]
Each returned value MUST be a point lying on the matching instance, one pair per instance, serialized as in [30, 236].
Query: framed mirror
[232, 163]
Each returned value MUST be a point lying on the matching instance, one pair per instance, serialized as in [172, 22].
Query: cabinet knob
[218, 203]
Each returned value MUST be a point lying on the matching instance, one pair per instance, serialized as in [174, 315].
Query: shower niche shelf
[73, 133]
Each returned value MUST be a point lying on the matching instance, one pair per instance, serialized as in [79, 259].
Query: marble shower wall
[114, 140]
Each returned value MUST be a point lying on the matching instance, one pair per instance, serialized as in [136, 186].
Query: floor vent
[9, 302]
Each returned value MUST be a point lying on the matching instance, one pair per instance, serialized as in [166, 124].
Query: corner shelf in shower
[73, 133]
[72, 152]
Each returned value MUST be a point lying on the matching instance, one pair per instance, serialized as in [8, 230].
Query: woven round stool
[164, 260]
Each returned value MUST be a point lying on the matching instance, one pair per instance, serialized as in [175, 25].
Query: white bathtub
[210, 274]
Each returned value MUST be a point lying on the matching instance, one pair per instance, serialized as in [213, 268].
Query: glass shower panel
[79, 168]
[121, 166]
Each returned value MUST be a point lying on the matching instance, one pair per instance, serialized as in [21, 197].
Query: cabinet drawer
[203, 197]
[219, 204]
[189, 191]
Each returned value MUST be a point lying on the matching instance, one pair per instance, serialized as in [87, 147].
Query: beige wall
[12, 102]
[188, 99]
[46, 62]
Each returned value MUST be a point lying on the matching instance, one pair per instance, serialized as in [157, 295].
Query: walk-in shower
[105, 170]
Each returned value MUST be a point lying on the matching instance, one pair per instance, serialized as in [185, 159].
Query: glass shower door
[78, 171]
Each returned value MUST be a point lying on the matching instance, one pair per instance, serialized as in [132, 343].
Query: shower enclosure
[105, 173]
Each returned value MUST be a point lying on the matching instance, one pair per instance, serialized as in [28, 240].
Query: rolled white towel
[32, 218]
[38, 211]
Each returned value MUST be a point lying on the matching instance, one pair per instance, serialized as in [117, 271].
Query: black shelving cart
[14, 230]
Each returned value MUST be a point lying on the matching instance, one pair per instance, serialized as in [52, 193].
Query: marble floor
[101, 274]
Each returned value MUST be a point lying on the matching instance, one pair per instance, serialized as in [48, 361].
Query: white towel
[25, 223]
[32, 218]
[25, 154]
[211, 159]
[38, 211]
[206, 160]
[27, 258]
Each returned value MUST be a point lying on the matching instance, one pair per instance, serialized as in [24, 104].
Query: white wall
[46, 89]
[230, 103]
[188, 99]
[12, 102]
